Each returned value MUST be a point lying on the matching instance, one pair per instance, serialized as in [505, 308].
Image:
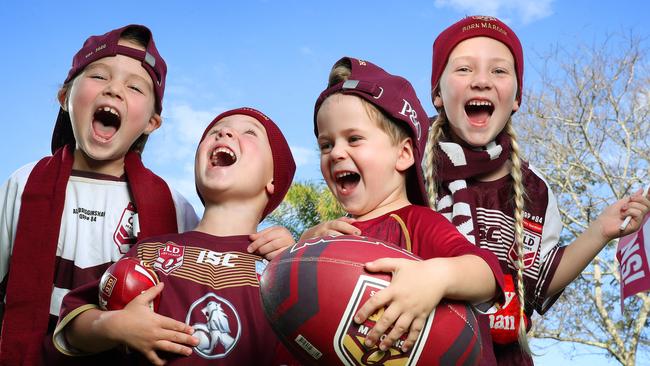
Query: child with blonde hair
[371, 131]
[477, 178]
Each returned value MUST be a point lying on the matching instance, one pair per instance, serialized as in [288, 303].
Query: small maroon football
[311, 292]
[124, 280]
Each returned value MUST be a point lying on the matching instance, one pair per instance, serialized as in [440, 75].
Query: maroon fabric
[31, 273]
[431, 236]
[470, 27]
[395, 97]
[476, 162]
[283, 165]
[206, 268]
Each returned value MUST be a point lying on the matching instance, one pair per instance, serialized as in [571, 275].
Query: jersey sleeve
[549, 256]
[437, 237]
[185, 215]
[75, 302]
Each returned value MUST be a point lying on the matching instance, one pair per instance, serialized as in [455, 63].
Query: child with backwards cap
[476, 177]
[66, 218]
[210, 311]
[371, 131]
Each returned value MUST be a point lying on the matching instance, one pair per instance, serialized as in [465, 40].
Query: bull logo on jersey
[216, 324]
[349, 337]
[125, 235]
[169, 258]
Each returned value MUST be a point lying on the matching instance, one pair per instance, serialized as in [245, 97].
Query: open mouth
[478, 111]
[106, 122]
[346, 181]
[222, 156]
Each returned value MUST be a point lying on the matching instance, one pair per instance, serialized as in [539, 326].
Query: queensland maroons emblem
[169, 258]
[216, 324]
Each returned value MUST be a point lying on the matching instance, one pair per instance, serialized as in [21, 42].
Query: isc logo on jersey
[216, 324]
[349, 337]
[169, 258]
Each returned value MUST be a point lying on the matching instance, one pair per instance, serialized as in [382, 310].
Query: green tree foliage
[306, 204]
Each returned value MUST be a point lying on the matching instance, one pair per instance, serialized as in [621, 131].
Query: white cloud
[524, 11]
[304, 156]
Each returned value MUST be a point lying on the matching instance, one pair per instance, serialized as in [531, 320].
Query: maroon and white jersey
[212, 284]
[542, 227]
[99, 225]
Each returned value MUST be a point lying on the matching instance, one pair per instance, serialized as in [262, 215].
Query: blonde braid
[429, 159]
[519, 196]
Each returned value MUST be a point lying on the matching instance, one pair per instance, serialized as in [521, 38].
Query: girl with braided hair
[476, 177]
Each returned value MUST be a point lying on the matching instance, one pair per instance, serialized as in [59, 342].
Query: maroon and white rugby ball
[124, 280]
[311, 292]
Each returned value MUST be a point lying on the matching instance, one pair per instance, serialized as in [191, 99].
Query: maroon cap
[395, 97]
[106, 45]
[283, 165]
[470, 27]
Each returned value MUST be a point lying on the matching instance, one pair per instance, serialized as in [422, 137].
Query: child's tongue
[478, 116]
[104, 131]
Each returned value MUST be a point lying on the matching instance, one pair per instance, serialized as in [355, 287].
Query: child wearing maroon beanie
[210, 311]
[476, 177]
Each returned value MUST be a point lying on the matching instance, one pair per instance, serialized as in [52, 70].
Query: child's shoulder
[20, 175]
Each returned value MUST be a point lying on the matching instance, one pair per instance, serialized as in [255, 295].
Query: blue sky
[271, 55]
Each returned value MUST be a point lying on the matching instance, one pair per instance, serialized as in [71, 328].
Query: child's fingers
[401, 326]
[152, 356]
[378, 301]
[175, 326]
[269, 240]
[173, 347]
[150, 294]
[344, 227]
[416, 328]
[382, 325]
[388, 265]
[275, 253]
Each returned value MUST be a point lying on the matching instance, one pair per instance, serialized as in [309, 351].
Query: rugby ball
[124, 280]
[311, 292]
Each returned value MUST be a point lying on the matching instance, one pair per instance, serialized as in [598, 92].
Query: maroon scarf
[455, 164]
[31, 271]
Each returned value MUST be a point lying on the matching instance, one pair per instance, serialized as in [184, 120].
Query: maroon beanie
[105, 45]
[283, 165]
[470, 27]
[395, 97]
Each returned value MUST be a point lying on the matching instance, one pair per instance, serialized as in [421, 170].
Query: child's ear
[270, 187]
[62, 96]
[515, 106]
[437, 100]
[406, 159]
[154, 122]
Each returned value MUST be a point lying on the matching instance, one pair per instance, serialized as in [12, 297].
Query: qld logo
[169, 258]
[216, 324]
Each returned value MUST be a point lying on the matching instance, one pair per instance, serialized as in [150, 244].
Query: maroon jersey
[212, 284]
[428, 234]
[542, 253]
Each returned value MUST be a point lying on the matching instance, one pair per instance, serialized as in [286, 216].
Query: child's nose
[481, 80]
[225, 132]
[112, 89]
[338, 152]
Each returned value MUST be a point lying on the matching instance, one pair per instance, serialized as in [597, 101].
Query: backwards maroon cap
[283, 165]
[470, 27]
[106, 45]
[395, 97]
